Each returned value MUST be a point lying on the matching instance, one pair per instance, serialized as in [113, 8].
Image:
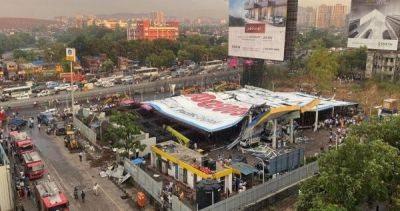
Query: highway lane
[202, 80]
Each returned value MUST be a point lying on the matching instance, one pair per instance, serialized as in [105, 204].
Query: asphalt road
[202, 80]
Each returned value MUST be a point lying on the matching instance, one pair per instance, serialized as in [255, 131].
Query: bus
[147, 71]
[211, 65]
[20, 92]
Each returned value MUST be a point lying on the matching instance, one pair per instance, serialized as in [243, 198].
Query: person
[38, 126]
[83, 195]
[80, 156]
[76, 192]
[96, 189]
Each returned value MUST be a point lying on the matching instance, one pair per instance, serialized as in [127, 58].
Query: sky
[48, 9]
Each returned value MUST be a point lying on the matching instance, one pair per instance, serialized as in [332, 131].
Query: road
[66, 169]
[201, 80]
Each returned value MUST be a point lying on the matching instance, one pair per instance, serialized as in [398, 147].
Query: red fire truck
[33, 165]
[50, 198]
[21, 142]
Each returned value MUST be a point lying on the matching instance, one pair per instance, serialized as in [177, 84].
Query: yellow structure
[184, 164]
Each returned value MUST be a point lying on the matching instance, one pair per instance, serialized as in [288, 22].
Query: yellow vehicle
[70, 142]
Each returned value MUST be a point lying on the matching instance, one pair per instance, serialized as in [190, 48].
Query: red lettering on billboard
[209, 101]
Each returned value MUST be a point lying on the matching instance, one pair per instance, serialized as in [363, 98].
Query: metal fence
[145, 181]
[177, 205]
[265, 190]
[85, 130]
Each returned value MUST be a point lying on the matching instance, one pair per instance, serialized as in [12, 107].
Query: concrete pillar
[228, 183]
[316, 120]
[274, 144]
[291, 136]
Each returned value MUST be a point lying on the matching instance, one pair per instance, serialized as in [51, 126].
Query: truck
[33, 165]
[21, 142]
[49, 197]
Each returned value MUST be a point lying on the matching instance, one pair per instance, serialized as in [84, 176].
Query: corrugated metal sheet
[6, 193]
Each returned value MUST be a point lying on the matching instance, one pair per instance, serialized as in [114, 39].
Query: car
[62, 87]
[74, 88]
[45, 92]
[45, 118]
[51, 84]
[127, 79]
[38, 88]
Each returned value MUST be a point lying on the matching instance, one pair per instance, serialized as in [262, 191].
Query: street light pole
[263, 170]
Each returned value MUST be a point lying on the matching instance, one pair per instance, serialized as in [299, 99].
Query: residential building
[146, 30]
[339, 14]
[323, 16]
[306, 17]
[384, 63]
[158, 18]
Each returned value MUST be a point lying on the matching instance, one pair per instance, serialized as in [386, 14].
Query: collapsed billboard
[213, 112]
[257, 28]
[374, 24]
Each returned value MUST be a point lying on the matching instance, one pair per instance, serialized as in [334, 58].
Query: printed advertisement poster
[257, 28]
[374, 24]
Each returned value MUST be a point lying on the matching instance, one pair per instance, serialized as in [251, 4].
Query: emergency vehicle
[50, 198]
[33, 165]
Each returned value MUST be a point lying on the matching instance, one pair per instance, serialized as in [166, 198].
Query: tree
[24, 56]
[107, 66]
[364, 171]
[122, 129]
[323, 67]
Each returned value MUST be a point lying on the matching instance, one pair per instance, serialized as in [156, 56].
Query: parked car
[45, 92]
[73, 87]
[51, 84]
[62, 87]
[127, 79]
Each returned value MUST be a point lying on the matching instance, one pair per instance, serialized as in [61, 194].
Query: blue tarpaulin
[137, 161]
[244, 168]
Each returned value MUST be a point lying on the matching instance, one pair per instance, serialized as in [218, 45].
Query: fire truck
[21, 142]
[33, 165]
[50, 198]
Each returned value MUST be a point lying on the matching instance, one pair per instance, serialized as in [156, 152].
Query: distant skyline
[48, 9]
[316, 3]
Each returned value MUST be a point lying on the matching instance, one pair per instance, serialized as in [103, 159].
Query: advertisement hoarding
[374, 24]
[257, 28]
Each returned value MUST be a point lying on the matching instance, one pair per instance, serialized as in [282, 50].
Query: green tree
[123, 127]
[364, 171]
[107, 66]
[323, 67]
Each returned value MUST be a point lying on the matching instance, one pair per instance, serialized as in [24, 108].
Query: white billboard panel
[374, 24]
[257, 28]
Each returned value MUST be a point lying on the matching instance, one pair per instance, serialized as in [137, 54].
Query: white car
[108, 84]
[127, 79]
[62, 87]
[45, 92]
[74, 88]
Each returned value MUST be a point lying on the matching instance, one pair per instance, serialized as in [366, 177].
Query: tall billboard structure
[374, 24]
[257, 28]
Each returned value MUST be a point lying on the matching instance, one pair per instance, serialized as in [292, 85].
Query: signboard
[70, 54]
[207, 111]
[257, 28]
[374, 24]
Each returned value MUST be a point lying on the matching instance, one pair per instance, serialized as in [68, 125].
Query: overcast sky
[50, 8]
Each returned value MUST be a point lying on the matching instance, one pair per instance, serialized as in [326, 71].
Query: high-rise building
[146, 30]
[339, 14]
[158, 18]
[323, 16]
[306, 17]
